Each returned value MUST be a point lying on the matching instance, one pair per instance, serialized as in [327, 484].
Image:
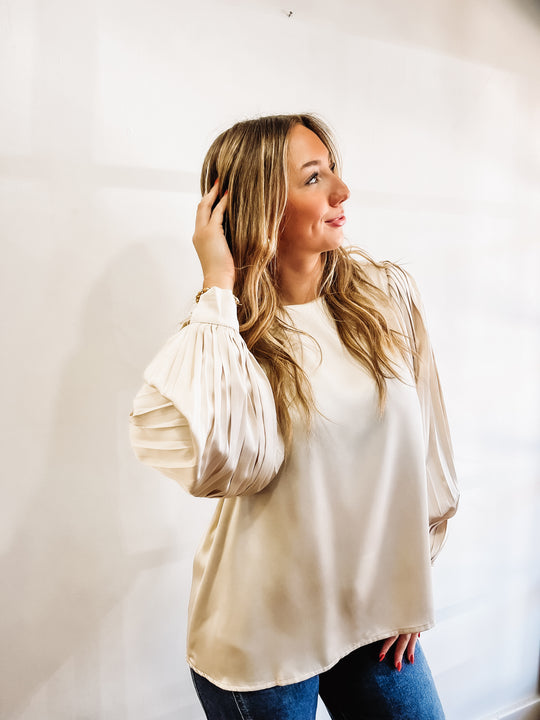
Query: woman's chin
[336, 242]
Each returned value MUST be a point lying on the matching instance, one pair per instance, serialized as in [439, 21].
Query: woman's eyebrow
[315, 162]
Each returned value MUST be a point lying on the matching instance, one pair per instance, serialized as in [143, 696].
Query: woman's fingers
[206, 215]
[403, 644]
[387, 644]
[410, 647]
[219, 211]
[204, 208]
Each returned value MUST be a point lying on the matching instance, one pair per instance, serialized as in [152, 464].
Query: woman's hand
[403, 643]
[210, 242]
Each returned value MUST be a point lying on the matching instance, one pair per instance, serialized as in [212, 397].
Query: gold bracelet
[201, 292]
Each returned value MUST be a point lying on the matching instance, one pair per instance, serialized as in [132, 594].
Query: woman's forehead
[306, 148]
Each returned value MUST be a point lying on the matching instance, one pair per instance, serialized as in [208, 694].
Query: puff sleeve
[205, 415]
[443, 492]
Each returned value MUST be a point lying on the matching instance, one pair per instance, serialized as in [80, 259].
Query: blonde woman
[302, 393]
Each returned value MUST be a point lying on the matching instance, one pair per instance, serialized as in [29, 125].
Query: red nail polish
[217, 179]
[418, 634]
[382, 656]
[411, 659]
[398, 665]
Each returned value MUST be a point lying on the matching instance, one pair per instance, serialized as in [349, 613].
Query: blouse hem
[300, 678]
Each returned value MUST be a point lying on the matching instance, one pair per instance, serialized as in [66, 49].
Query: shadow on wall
[531, 8]
[67, 565]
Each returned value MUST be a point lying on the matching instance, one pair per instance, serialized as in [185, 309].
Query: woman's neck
[299, 279]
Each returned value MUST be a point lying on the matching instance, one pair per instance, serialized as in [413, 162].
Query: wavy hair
[250, 160]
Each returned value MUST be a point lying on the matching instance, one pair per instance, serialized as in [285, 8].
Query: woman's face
[314, 217]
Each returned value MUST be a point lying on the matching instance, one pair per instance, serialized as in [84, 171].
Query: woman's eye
[312, 178]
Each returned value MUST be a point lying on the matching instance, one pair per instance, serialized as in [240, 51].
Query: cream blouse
[311, 556]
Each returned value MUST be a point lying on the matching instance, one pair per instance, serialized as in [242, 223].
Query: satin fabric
[311, 556]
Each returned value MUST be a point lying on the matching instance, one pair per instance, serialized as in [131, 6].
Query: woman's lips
[337, 222]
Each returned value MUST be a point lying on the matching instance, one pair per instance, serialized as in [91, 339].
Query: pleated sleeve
[205, 415]
[443, 492]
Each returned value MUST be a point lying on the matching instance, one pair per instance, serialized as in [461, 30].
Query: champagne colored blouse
[311, 556]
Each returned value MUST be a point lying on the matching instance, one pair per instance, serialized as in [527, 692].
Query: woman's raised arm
[206, 415]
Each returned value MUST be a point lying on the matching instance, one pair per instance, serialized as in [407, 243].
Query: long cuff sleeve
[205, 415]
[443, 492]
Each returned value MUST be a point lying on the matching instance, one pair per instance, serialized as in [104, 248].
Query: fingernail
[217, 180]
[398, 665]
[418, 634]
[411, 659]
[382, 656]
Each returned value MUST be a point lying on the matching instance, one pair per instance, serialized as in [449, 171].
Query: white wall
[107, 110]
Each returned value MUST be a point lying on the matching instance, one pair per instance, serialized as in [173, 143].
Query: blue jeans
[359, 687]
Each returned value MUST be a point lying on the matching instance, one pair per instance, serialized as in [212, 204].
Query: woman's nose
[340, 193]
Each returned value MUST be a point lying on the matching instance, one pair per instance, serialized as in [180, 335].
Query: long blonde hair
[250, 160]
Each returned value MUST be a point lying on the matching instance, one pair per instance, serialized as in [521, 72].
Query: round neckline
[306, 304]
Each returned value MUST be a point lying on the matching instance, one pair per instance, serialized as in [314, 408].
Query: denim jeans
[359, 687]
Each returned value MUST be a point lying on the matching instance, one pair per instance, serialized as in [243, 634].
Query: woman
[304, 394]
